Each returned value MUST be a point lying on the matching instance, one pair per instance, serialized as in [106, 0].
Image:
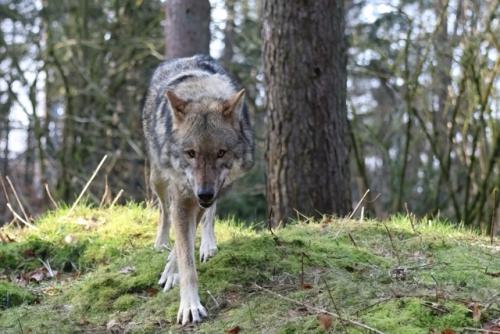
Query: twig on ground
[334, 305]
[17, 198]
[88, 183]
[437, 288]
[352, 239]
[480, 330]
[270, 227]
[47, 266]
[410, 217]
[359, 203]
[18, 217]
[392, 244]
[47, 190]
[307, 219]
[117, 197]
[217, 305]
[105, 195]
[4, 189]
[319, 310]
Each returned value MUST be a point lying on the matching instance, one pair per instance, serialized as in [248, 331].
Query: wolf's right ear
[234, 104]
[177, 105]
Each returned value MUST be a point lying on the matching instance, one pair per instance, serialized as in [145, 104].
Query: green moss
[12, 295]
[412, 315]
[110, 271]
[125, 302]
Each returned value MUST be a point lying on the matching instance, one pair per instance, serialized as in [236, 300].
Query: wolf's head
[208, 144]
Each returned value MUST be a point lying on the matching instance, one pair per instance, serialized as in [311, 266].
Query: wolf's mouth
[205, 205]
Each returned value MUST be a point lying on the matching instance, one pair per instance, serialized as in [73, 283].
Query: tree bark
[305, 76]
[187, 27]
[229, 34]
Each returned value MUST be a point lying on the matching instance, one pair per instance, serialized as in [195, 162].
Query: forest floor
[94, 270]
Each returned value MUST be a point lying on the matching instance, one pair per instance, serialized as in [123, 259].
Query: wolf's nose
[206, 196]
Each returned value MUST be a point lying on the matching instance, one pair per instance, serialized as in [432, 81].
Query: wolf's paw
[170, 276]
[208, 249]
[190, 310]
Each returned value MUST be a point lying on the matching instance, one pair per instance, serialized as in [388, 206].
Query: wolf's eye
[221, 153]
[190, 153]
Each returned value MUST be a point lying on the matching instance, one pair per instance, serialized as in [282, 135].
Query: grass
[397, 276]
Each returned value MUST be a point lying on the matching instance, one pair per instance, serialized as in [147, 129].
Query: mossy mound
[396, 276]
[12, 295]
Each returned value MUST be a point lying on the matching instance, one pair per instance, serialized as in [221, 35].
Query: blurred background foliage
[423, 102]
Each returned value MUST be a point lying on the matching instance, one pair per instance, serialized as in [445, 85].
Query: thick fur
[199, 140]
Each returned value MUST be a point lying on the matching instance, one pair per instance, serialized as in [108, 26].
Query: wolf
[199, 140]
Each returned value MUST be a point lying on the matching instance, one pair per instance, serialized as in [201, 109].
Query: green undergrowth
[399, 276]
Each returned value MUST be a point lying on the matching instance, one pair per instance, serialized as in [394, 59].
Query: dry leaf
[151, 292]
[325, 321]
[306, 286]
[476, 311]
[493, 274]
[448, 331]
[233, 330]
[113, 326]
[37, 276]
[493, 326]
[28, 253]
[127, 270]
[69, 239]
[5, 238]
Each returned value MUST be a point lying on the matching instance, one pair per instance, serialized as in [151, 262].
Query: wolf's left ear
[234, 104]
[177, 105]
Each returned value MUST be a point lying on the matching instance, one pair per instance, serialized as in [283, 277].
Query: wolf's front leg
[208, 246]
[184, 216]
[160, 188]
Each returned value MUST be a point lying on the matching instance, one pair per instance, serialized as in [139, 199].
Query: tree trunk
[187, 27]
[305, 76]
[229, 34]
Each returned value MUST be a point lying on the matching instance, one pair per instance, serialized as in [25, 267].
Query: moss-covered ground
[397, 276]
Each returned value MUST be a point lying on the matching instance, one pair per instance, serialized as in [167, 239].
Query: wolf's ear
[177, 105]
[234, 104]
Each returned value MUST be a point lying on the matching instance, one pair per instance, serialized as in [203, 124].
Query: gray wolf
[199, 140]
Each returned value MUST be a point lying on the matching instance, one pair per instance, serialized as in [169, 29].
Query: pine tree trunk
[187, 27]
[229, 34]
[305, 76]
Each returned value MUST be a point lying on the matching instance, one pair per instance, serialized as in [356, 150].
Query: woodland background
[423, 102]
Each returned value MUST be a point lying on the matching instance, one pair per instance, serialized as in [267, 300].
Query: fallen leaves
[89, 223]
[127, 270]
[70, 239]
[114, 326]
[475, 308]
[325, 321]
[306, 286]
[436, 308]
[41, 274]
[492, 326]
[233, 330]
[151, 292]
[5, 238]
[492, 274]
[447, 331]
[399, 273]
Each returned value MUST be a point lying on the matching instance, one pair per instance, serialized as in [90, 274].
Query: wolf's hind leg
[170, 276]
[163, 231]
[208, 246]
